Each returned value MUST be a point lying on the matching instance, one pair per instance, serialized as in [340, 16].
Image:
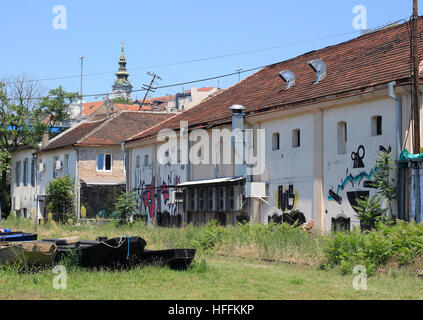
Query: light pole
[80, 92]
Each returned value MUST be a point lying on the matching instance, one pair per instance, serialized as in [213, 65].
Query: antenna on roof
[289, 77]
[320, 67]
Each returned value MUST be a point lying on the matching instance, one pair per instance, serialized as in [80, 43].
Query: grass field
[212, 276]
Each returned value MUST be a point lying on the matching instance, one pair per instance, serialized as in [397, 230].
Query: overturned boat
[177, 259]
[116, 252]
[120, 252]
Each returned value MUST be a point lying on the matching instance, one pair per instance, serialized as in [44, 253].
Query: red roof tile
[110, 131]
[369, 60]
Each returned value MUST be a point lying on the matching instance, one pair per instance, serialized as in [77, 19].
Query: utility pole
[416, 76]
[149, 87]
[80, 92]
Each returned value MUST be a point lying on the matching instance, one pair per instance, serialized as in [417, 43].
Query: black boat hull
[178, 259]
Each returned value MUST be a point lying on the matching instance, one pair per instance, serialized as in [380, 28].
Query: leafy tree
[61, 197]
[386, 186]
[122, 100]
[54, 108]
[369, 212]
[24, 116]
[126, 204]
[18, 125]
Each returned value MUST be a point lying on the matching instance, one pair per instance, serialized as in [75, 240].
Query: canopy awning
[228, 180]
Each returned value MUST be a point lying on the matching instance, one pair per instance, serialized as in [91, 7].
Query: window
[66, 164]
[138, 162]
[342, 137]
[376, 125]
[18, 173]
[33, 171]
[104, 162]
[146, 160]
[296, 142]
[55, 173]
[275, 141]
[25, 172]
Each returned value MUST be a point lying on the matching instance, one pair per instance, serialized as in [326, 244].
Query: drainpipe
[238, 143]
[400, 174]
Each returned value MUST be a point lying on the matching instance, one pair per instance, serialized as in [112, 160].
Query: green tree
[386, 186]
[122, 100]
[24, 116]
[369, 212]
[126, 205]
[19, 125]
[54, 108]
[61, 197]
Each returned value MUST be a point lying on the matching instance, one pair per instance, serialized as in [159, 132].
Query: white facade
[339, 141]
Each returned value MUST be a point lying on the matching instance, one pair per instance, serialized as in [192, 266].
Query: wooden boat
[11, 254]
[117, 252]
[17, 237]
[39, 253]
[178, 259]
[32, 253]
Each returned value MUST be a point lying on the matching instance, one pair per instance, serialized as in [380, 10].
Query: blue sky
[163, 32]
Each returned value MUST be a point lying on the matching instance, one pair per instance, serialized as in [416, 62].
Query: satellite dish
[289, 77]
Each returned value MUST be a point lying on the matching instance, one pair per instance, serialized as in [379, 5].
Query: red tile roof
[110, 131]
[369, 60]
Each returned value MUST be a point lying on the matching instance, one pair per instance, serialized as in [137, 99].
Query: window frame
[341, 130]
[104, 162]
[276, 135]
[296, 138]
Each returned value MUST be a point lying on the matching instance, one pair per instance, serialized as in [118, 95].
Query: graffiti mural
[286, 198]
[153, 199]
[360, 183]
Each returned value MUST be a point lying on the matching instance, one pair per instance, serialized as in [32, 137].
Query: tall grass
[273, 242]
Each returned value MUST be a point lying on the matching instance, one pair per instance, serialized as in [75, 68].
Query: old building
[90, 153]
[324, 116]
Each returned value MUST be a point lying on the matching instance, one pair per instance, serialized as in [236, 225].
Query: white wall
[339, 170]
[44, 177]
[23, 197]
[289, 166]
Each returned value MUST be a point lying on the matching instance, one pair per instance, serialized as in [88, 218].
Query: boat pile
[102, 252]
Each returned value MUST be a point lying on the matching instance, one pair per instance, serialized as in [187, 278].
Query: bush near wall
[401, 243]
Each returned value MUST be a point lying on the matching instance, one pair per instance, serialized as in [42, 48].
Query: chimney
[238, 115]
[44, 142]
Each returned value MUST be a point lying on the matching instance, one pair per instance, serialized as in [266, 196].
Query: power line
[195, 60]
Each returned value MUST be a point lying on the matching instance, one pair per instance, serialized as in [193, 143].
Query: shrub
[210, 235]
[61, 197]
[402, 242]
[369, 212]
[126, 205]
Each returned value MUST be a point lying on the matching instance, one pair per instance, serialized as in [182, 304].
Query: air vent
[288, 77]
[320, 67]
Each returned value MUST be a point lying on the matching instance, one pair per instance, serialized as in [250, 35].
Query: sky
[165, 36]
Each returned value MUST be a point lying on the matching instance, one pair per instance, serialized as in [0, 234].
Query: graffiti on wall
[286, 198]
[151, 198]
[360, 183]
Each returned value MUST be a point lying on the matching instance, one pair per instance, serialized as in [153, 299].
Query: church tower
[122, 87]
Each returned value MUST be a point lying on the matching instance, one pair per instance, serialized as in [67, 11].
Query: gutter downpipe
[401, 190]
